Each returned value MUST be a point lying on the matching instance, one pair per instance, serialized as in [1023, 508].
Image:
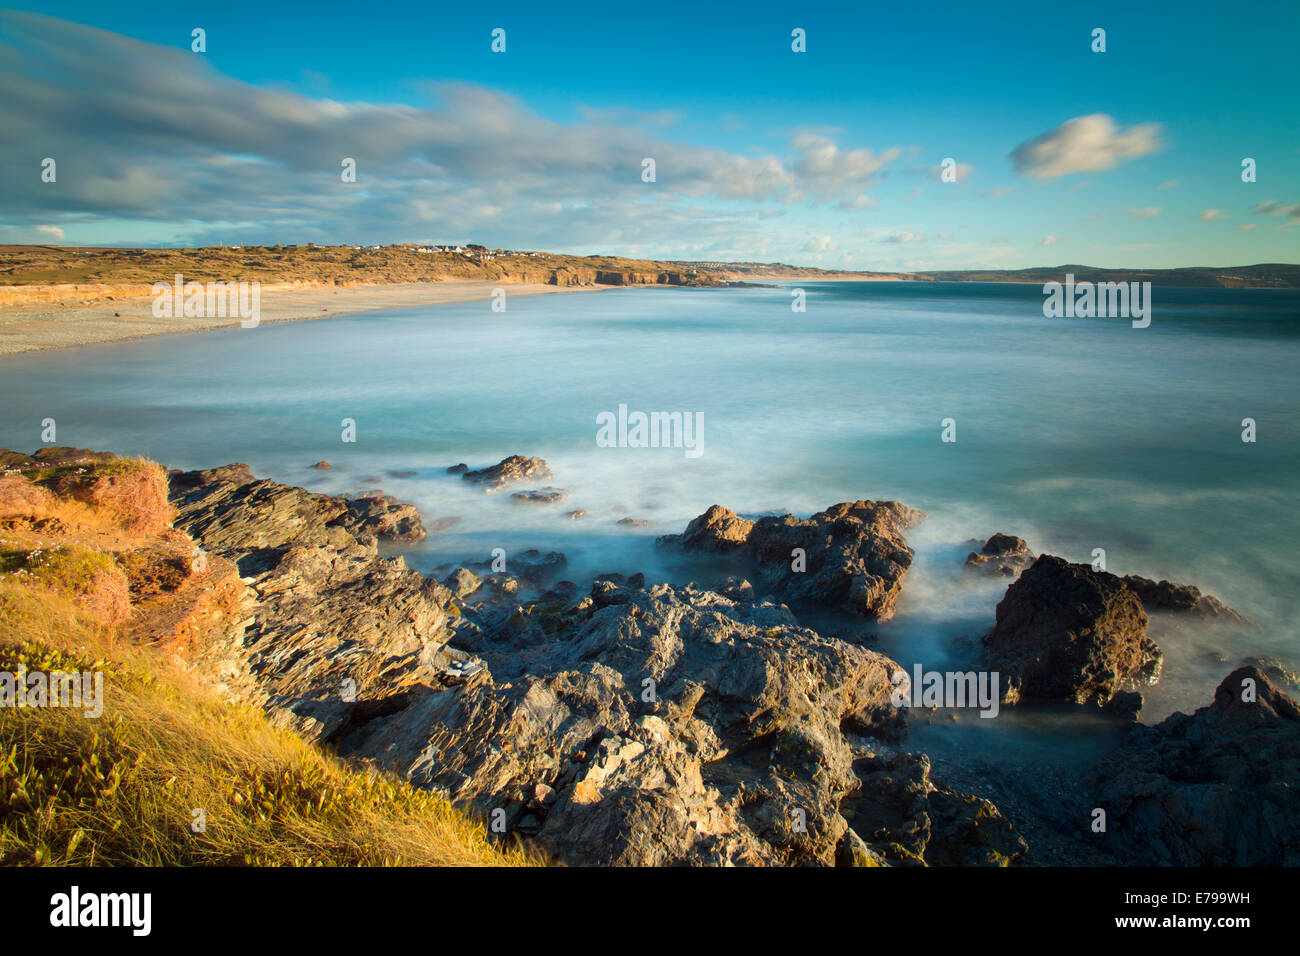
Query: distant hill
[1264, 276]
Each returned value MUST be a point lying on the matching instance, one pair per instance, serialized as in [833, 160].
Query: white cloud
[1213, 214]
[1092, 143]
[1052, 240]
[53, 231]
[1145, 213]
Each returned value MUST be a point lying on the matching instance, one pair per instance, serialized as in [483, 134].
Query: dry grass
[123, 789]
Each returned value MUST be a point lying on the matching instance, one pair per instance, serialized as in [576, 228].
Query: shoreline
[40, 327]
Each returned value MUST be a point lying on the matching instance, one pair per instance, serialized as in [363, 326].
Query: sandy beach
[39, 325]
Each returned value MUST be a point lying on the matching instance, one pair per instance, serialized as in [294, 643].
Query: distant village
[471, 250]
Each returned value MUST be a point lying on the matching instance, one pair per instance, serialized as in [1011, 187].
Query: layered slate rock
[1065, 632]
[855, 553]
[383, 517]
[1213, 788]
[508, 471]
[228, 508]
[334, 631]
[1002, 554]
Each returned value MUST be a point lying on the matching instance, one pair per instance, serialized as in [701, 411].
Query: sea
[1085, 436]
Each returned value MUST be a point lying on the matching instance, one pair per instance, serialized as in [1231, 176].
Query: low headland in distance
[60, 296]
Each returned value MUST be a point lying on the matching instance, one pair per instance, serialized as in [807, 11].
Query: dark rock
[1126, 704]
[635, 522]
[560, 591]
[533, 566]
[322, 466]
[1279, 672]
[541, 496]
[458, 469]
[1214, 788]
[907, 819]
[1167, 596]
[1065, 632]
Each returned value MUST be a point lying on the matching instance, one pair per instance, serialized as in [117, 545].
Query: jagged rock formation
[669, 725]
[855, 553]
[1065, 632]
[1213, 788]
[628, 725]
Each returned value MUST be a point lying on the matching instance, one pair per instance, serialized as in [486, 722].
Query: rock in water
[1002, 554]
[507, 471]
[1065, 632]
[1214, 788]
[541, 496]
[1167, 596]
[852, 555]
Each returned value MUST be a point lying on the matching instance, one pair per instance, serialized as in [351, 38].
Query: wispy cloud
[155, 134]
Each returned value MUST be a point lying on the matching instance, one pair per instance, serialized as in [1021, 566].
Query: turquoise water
[1074, 433]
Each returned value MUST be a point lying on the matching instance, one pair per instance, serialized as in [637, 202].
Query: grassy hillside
[328, 265]
[91, 580]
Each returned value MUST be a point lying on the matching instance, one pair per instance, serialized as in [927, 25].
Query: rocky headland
[633, 723]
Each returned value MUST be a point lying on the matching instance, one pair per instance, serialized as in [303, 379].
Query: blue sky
[1130, 157]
